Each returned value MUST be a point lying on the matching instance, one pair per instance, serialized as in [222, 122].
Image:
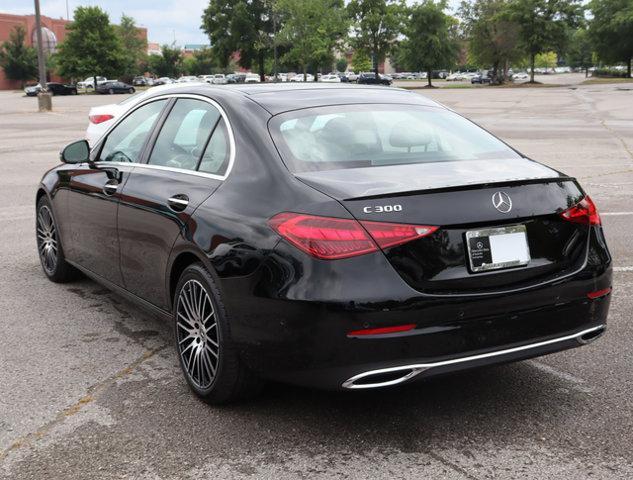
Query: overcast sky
[164, 19]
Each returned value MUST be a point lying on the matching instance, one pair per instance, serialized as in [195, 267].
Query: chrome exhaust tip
[383, 378]
[591, 335]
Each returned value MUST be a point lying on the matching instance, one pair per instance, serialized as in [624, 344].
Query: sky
[165, 20]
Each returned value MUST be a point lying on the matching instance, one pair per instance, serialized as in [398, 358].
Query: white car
[219, 79]
[90, 82]
[299, 78]
[330, 79]
[455, 77]
[520, 76]
[206, 78]
[187, 79]
[351, 76]
[252, 78]
[100, 118]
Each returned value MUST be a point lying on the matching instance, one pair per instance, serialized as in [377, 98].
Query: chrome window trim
[196, 173]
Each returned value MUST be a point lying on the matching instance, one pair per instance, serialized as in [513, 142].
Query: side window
[184, 134]
[216, 156]
[126, 140]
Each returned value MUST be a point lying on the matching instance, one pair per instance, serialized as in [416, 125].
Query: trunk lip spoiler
[465, 186]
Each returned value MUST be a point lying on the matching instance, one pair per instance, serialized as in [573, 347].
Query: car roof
[282, 97]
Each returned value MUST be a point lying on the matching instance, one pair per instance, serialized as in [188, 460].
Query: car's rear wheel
[131, 90]
[207, 355]
[49, 247]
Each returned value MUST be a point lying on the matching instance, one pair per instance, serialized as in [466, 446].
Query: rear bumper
[394, 375]
[294, 329]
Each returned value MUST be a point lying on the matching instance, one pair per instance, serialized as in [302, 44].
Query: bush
[609, 72]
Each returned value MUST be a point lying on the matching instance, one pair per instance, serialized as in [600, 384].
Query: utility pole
[44, 100]
[275, 44]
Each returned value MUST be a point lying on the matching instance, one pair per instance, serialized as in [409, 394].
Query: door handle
[178, 202]
[111, 187]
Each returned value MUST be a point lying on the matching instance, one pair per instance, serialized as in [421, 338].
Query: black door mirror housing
[76, 152]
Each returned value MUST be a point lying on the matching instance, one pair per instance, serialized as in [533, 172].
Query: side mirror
[76, 152]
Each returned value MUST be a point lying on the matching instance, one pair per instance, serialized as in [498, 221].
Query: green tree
[612, 30]
[431, 41]
[543, 24]
[243, 26]
[361, 62]
[493, 38]
[168, 63]
[18, 61]
[203, 62]
[546, 60]
[376, 25]
[311, 30]
[580, 51]
[134, 46]
[91, 47]
[341, 65]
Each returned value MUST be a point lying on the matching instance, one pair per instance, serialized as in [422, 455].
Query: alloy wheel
[197, 334]
[47, 244]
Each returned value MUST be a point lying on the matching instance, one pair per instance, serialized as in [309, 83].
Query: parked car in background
[351, 76]
[299, 78]
[369, 78]
[141, 81]
[219, 79]
[206, 78]
[455, 77]
[520, 76]
[330, 78]
[187, 79]
[114, 86]
[481, 78]
[163, 81]
[252, 78]
[89, 82]
[54, 88]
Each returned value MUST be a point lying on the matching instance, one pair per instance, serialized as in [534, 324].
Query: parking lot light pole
[44, 100]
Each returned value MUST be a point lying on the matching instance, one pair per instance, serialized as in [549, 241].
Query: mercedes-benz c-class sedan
[339, 237]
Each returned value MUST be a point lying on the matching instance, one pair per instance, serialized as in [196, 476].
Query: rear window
[356, 136]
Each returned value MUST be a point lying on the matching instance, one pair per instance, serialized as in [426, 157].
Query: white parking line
[615, 214]
[623, 269]
[574, 382]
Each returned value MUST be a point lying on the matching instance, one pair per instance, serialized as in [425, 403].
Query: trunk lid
[440, 263]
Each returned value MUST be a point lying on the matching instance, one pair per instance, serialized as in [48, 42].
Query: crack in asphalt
[90, 396]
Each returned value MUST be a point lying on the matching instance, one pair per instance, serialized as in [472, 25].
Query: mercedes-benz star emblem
[502, 202]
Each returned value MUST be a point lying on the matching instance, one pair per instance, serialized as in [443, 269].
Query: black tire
[73, 92]
[110, 91]
[55, 267]
[231, 380]
[131, 90]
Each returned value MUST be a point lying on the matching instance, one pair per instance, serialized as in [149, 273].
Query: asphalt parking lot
[90, 386]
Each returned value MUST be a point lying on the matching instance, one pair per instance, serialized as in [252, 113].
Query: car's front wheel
[49, 247]
[110, 91]
[207, 355]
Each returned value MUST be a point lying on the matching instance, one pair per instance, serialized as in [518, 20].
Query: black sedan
[53, 87]
[115, 87]
[340, 237]
[371, 79]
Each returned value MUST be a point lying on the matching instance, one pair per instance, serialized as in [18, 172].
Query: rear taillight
[96, 119]
[332, 238]
[584, 212]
